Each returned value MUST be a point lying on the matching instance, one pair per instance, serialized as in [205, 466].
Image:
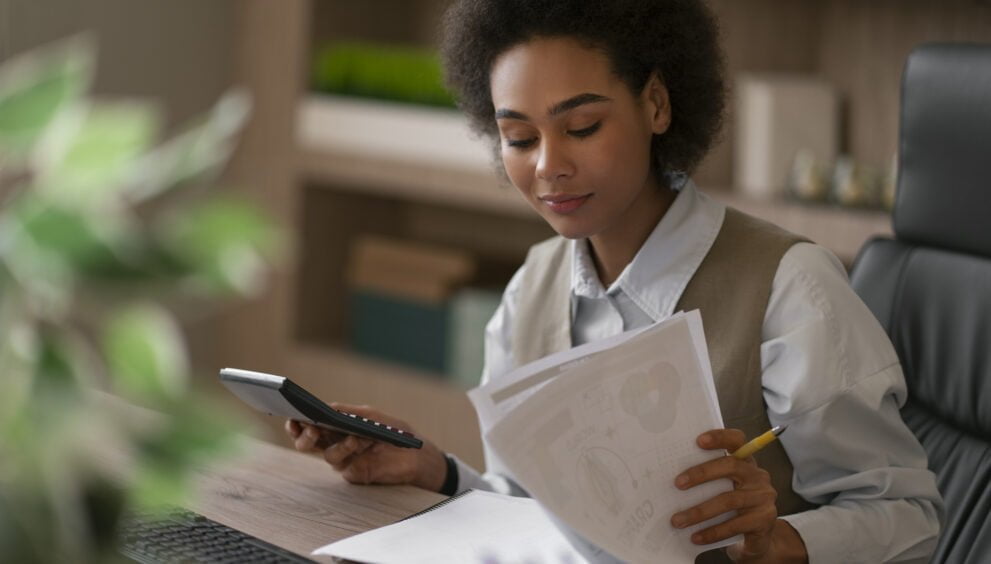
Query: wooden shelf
[427, 155]
[414, 153]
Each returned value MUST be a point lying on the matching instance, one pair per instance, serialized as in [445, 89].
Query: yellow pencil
[748, 450]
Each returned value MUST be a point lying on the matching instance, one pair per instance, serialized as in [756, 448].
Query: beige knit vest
[731, 289]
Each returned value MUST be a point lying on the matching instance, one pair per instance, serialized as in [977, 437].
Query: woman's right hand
[367, 461]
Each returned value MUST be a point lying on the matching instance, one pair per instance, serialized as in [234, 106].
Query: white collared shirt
[829, 372]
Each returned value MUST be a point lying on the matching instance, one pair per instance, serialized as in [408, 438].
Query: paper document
[597, 435]
[477, 526]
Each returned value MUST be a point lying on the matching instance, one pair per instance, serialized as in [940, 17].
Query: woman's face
[575, 140]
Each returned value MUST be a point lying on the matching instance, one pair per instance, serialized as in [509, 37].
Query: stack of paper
[597, 435]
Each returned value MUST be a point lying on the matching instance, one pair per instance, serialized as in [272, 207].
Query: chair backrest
[930, 286]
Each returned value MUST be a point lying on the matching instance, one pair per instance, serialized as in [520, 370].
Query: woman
[598, 110]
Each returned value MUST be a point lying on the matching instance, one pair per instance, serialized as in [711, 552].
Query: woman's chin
[569, 229]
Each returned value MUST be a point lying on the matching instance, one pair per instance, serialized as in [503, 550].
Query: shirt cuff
[827, 542]
[818, 547]
[468, 477]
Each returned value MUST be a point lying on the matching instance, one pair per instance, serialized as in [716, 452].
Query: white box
[777, 115]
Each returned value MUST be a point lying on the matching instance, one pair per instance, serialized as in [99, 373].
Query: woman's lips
[564, 203]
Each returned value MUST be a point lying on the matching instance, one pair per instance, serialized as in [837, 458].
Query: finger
[307, 439]
[338, 453]
[744, 552]
[324, 436]
[743, 473]
[376, 466]
[293, 429]
[728, 439]
[358, 470]
[328, 437]
[755, 526]
[736, 500]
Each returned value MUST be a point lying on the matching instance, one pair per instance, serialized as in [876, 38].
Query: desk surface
[298, 501]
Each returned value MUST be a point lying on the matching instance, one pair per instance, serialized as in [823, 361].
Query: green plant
[104, 233]
[384, 72]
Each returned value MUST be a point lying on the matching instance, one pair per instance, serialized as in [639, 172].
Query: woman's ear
[656, 104]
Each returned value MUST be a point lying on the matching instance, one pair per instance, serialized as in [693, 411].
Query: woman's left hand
[765, 537]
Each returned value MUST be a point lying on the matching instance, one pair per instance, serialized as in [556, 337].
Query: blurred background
[399, 235]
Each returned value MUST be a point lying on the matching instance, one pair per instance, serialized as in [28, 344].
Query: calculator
[278, 395]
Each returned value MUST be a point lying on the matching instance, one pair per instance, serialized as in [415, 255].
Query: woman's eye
[586, 131]
[521, 143]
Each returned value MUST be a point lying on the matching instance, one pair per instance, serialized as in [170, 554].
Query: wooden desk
[290, 499]
[297, 501]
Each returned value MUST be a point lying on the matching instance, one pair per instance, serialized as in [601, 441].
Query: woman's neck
[616, 247]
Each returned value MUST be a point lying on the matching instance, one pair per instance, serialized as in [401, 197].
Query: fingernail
[705, 440]
[681, 481]
[678, 520]
[697, 538]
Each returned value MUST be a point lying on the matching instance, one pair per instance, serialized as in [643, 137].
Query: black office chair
[930, 286]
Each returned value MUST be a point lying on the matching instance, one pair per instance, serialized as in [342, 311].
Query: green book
[404, 331]
[469, 312]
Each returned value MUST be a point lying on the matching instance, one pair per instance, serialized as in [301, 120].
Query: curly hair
[676, 38]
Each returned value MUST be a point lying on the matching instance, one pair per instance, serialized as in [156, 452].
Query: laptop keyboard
[181, 536]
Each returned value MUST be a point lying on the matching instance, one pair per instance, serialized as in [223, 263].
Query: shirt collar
[658, 274]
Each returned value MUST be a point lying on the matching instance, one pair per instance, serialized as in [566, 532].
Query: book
[469, 311]
[399, 295]
[474, 526]
[408, 270]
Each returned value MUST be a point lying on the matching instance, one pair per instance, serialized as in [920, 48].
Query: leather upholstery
[944, 149]
[930, 287]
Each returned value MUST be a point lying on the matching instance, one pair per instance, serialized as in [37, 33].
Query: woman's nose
[553, 162]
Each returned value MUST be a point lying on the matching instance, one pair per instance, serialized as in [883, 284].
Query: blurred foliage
[95, 239]
[399, 74]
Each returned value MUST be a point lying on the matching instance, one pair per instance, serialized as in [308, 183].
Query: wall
[179, 52]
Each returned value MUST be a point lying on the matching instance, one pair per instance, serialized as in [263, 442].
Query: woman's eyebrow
[575, 101]
[556, 109]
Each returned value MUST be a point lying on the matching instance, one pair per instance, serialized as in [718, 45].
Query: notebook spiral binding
[437, 505]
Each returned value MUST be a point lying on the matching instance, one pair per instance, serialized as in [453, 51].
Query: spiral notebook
[474, 526]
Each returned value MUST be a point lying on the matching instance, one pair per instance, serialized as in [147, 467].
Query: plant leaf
[92, 163]
[54, 371]
[202, 148]
[18, 354]
[154, 487]
[145, 354]
[36, 87]
[64, 243]
[224, 242]
[197, 432]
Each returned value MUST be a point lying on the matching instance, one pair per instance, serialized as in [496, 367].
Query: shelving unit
[332, 168]
[407, 152]
[426, 155]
